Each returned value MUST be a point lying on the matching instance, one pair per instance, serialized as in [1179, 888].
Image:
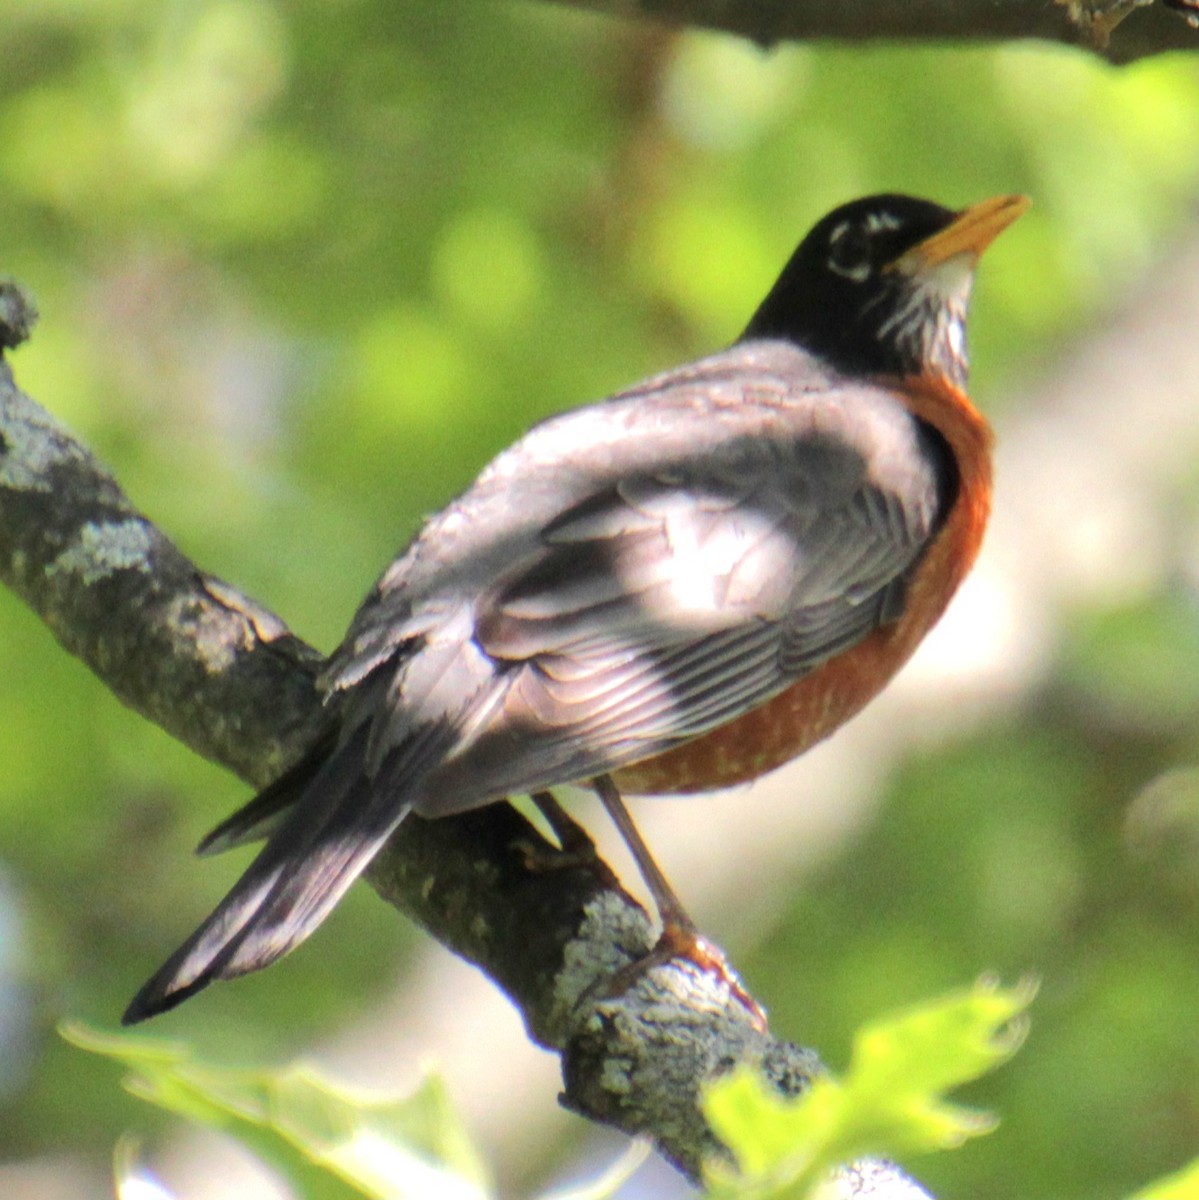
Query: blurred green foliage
[303, 268]
[327, 1140]
[889, 1104]
[331, 1141]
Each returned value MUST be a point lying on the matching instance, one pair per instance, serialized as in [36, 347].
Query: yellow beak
[970, 232]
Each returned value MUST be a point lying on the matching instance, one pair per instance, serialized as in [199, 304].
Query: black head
[881, 285]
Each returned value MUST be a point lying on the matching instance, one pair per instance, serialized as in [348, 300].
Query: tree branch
[549, 926]
[1151, 29]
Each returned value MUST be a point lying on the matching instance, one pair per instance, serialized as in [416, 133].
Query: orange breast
[823, 700]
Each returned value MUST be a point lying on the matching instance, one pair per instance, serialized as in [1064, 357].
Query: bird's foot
[575, 849]
[574, 841]
[680, 937]
[684, 942]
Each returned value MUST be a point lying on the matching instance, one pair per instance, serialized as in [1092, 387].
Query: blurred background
[303, 268]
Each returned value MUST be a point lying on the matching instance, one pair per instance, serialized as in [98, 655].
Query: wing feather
[670, 604]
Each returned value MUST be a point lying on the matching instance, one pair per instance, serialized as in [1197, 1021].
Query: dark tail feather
[321, 845]
[264, 814]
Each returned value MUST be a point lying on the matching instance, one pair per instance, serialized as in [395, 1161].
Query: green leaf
[1184, 1185]
[890, 1101]
[385, 1148]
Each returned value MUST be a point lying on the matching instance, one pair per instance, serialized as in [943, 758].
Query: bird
[675, 589]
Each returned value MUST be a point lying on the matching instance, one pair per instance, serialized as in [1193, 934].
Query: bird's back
[580, 607]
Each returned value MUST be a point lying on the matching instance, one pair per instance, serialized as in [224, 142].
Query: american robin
[675, 589]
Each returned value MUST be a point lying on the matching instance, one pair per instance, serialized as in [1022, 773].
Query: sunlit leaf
[1182, 1186]
[890, 1101]
[389, 1148]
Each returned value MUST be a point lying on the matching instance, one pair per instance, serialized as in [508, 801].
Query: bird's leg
[680, 937]
[572, 837]
[675, 918]
[574, 849]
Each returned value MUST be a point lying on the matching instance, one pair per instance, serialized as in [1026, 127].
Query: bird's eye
[849, 252]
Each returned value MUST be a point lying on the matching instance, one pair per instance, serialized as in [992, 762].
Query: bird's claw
[678, 942]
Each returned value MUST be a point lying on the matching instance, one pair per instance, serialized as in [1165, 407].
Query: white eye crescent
[882, 222]
[849, 252]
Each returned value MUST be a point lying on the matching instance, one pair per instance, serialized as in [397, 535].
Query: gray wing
[669, 604]
[633, 574]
